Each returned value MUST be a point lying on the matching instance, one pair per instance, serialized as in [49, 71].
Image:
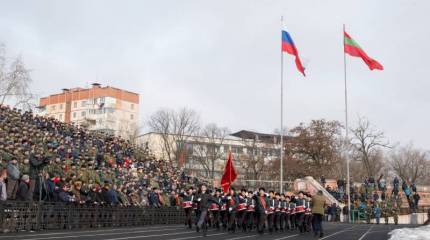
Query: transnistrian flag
[352, 48]
[289, 47]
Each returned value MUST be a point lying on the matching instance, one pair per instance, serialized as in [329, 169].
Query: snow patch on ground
[420, 233]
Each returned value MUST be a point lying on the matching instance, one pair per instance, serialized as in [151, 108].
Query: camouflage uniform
[395, 213]
[386, 213]
[368, 211]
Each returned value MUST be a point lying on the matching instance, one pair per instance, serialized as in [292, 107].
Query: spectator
[416, 198]
[13, 178]
[377, 213]
[322, 180]
[23, 193]
[332, 212]
[3, 188]
[345, 213]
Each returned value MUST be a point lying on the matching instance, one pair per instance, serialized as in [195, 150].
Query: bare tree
[314, 148]
[14, 82]
[410, 164]
[175, 128]
[207, 147]
[253, 161]
[367, 143]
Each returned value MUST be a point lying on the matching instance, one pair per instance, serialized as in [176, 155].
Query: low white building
[206, 157]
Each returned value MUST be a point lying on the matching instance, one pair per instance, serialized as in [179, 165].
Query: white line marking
[155, 235]
[241, 237]
[362, 237]
[101, 234]
[287, 237]
[210, 235]
[348, 229]
[88, 231]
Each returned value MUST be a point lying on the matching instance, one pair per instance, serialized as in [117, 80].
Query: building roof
[75, 94]
[264, 137]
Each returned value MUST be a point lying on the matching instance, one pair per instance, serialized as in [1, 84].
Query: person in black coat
[204, 201]
[23, 189]
[261, 206]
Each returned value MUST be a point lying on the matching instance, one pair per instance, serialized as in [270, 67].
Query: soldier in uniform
[287, 213]
[300, 212]
[308, 214]
[215, 209]
[395, 212]
[223, 211]
[385, 213]
[292, 208]
[271, 211]
[187, 205]
[261, 206]
[250, 210]
[232, 203]
[277, 214]
[283, 206]
[368, 211]
[241, 210]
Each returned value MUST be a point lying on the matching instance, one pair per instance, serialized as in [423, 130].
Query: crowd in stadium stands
[45, 159]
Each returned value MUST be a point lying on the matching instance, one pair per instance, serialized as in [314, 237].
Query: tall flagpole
[346, 128]
[282, 116]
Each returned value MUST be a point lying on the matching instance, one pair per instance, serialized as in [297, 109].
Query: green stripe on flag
[350, 41]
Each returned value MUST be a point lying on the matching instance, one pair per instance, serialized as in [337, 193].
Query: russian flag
[289, 47]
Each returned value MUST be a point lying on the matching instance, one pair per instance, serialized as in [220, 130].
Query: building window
[83, 113]
[61, 117]
[61, 106]
[132, 106]
[83, 103]
[75, 104]
[74, 115]
[53, 107]
[131, 116]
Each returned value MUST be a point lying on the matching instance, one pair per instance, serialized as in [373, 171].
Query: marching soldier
[287, 213]
[215, 209]
[204, 201]
[261, 206]
[283, 206]
[223, 211]
[241, 210]
[250, 210]
[271, 211]
[277, 215]
[232, 204]
[292, 208]
[300, 212]
[187, 205]
[308, 214]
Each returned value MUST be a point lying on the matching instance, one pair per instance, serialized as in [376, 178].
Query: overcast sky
[222, 58]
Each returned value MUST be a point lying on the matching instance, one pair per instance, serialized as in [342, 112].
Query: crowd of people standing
[48, 160]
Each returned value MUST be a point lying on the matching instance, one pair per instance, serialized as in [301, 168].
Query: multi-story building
[106, 109]
[203, 156]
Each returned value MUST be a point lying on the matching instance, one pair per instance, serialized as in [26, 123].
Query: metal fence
[26, 216]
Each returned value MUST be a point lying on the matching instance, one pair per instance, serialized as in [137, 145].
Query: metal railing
[27, 216]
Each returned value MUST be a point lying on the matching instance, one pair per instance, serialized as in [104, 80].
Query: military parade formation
[249, 211]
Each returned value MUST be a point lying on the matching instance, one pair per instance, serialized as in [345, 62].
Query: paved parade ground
[179, 232]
